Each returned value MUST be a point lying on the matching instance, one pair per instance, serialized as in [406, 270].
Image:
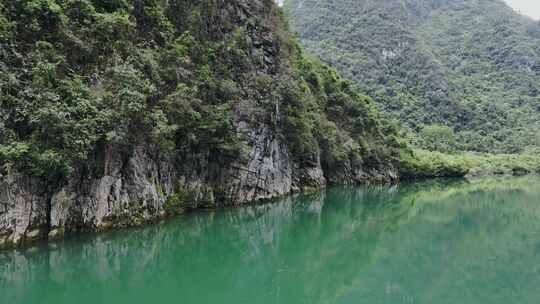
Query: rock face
[119, 186]
[140, 187]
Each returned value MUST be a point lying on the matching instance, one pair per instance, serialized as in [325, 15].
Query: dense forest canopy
[459, 74]
[180, 75]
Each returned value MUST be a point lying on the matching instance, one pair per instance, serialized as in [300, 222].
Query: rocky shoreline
[114, 190]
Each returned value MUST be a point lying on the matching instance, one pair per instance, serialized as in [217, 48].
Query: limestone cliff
[286, 123]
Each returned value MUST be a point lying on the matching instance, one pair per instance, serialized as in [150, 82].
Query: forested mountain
[117, 112]
[461, 74]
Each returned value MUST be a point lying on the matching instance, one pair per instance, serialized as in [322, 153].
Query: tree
[438, 138]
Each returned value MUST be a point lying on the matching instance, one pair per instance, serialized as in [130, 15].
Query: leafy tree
[438, 138]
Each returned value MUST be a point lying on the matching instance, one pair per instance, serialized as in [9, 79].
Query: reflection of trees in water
[407, 242]
[466, 243]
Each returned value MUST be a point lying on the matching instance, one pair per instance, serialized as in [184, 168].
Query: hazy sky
[527, 7]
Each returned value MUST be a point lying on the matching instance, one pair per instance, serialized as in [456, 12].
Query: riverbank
[428, 164]
[482, 168]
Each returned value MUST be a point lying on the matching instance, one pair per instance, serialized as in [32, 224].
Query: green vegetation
[76, 74]
[459, 75]
[337, 121]
[423, 163]
[179, 201]
[178, 76]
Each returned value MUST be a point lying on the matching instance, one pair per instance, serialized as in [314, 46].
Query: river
[428, 242]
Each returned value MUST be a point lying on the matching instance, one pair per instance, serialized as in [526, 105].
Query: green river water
[433, 242]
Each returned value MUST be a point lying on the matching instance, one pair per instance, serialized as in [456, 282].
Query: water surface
[430, 242]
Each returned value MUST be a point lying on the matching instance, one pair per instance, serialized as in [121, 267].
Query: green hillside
[186, 78]
[459, 74]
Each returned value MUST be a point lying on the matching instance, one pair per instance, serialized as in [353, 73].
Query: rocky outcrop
[23, 209]
[119, 189]
[127, 184]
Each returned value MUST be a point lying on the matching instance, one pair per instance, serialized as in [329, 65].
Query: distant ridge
[473, 66]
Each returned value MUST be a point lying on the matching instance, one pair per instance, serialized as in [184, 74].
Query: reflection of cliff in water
[426, 242]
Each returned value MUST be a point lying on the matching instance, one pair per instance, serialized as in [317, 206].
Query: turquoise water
[430, 242]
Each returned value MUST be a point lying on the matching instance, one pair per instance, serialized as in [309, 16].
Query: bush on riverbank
[423, 163]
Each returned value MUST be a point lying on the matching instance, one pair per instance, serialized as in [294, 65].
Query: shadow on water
[436, 241]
